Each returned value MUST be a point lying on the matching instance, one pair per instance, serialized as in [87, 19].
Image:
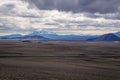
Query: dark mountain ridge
[108, 37]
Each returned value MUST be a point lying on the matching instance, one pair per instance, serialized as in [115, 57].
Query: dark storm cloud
[92, 6]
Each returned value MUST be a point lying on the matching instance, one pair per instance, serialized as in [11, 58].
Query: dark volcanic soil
[59, 60]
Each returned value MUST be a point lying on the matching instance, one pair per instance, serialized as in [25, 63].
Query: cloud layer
[92, 6]
[78, 17]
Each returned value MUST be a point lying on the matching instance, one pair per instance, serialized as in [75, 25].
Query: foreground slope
[59, 60]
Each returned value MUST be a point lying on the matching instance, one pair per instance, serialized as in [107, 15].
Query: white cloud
[17, 17]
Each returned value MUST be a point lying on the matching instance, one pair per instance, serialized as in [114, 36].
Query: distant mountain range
[51, 36]
[13, 36]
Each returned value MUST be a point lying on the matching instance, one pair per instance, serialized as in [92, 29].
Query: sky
[86, 17]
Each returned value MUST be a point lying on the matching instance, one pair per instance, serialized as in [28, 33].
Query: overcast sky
[59, 16]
